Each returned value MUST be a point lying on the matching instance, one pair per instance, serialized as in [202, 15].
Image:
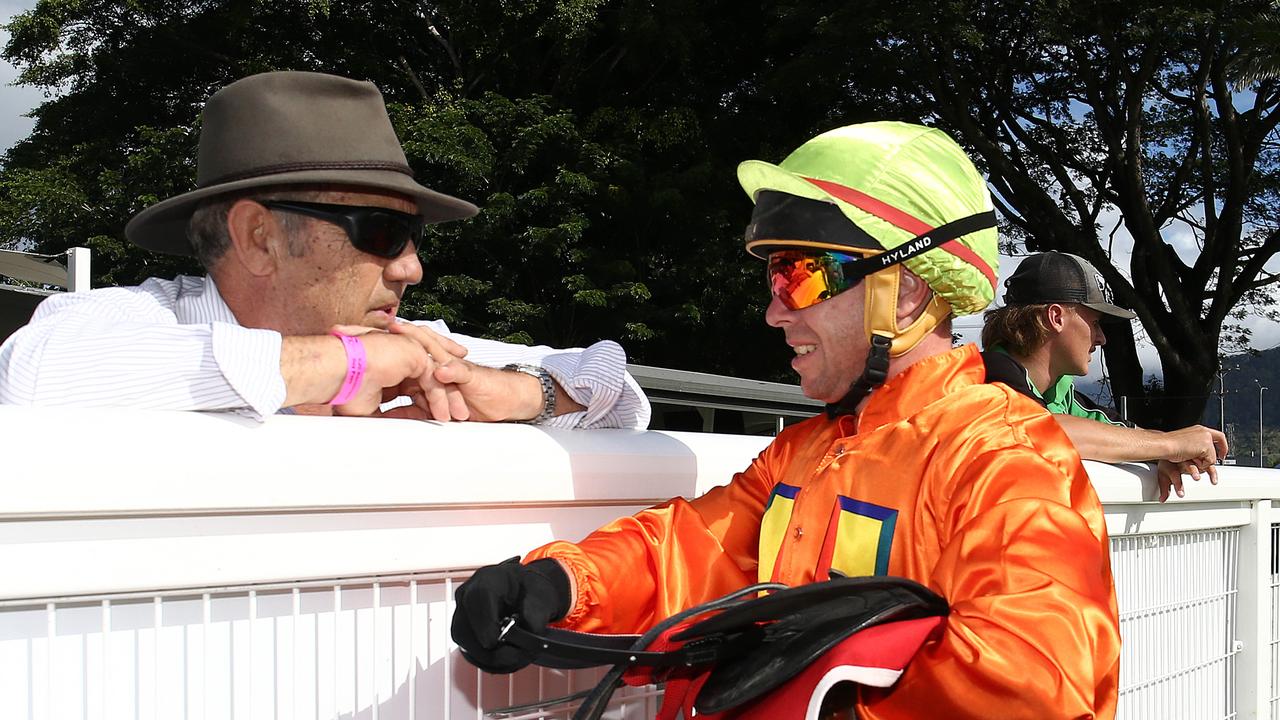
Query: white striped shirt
[176, 345]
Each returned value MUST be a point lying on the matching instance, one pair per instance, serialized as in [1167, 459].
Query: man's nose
[1099, 337]
[405, 269]
[778, 314]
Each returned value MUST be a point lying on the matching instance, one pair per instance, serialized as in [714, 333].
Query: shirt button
[799, 533]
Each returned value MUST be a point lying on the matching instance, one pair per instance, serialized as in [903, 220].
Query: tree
[1078, 109]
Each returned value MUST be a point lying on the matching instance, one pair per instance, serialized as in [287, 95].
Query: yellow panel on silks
[773, 527]
[859, 538]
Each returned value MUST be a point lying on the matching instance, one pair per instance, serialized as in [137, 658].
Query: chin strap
[873, 375]
[887, 339]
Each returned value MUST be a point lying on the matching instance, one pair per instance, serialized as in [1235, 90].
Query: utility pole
[1261, 389]
[1222, 394]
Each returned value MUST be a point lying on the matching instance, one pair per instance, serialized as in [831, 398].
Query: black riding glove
[535, 594]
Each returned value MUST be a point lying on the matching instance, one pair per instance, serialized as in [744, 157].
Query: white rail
[183, 565]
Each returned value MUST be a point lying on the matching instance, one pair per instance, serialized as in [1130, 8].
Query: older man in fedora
[307, 218]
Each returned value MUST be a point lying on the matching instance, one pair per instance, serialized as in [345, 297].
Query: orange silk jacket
[968, 488]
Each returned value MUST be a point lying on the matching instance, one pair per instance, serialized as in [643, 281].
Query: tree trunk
[1124, 369]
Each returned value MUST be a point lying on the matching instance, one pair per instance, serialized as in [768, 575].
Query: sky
[16, 101]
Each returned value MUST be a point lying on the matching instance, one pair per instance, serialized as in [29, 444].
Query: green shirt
[1060, 399]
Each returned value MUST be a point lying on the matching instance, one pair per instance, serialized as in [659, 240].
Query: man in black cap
[1044, 336]
[307, 218]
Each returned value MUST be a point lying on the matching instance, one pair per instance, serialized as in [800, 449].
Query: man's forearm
[313, 368]
[1113, 443]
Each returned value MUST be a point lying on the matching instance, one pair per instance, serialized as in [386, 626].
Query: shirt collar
[930, 379]
[200, 302]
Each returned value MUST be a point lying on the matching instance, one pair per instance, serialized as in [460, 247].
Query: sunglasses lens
[386, 235]
[801, 279]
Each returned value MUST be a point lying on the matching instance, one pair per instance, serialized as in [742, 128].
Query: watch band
[548, 390]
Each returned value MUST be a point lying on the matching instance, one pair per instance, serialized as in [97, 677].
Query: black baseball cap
[1054, 277]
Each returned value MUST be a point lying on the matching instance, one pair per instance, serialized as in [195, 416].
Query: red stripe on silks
[880, 209]
[904, 221]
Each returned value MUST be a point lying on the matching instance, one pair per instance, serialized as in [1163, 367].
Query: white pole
[1222, 406]
[1261, 388]
[78, 269]
[1254, 615]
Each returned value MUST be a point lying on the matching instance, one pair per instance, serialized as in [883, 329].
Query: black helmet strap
[873, 376]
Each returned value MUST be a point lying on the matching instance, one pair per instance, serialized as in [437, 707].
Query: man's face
[1081, 333]
[333, 283]
[829, 340]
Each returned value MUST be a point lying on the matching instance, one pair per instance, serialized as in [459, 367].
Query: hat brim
[757, 175]
[163, 227]
[1112, 310]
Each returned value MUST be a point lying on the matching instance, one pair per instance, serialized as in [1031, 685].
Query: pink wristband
[355, 369]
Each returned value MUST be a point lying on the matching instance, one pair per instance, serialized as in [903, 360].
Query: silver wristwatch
[548, 390]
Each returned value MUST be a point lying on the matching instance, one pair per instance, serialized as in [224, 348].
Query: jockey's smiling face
[829, 340]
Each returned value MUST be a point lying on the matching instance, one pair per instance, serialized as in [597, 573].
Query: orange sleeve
[638, 570]
[1033, 630]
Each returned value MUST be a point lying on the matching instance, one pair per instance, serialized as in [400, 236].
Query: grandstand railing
[194, 565]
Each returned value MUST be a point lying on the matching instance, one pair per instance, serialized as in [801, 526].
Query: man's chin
[379, 320]
[822, 394]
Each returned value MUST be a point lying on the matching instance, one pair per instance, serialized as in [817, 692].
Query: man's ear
[914, 295]
[255, 237]
[1056, 316]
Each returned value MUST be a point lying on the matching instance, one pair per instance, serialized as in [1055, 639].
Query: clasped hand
[431, 370]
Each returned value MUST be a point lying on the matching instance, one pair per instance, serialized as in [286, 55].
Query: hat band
[304, 166]
[904, 221]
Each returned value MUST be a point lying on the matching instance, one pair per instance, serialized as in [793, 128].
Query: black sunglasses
[376, 230]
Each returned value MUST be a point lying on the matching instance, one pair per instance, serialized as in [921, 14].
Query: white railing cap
[108, 462]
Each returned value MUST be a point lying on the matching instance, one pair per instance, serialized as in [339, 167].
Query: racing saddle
[736, 655]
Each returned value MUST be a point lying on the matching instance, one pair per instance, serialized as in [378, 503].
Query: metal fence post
[1254, 633]
[77, 269]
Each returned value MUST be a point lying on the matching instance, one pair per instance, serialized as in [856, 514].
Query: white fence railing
[202, 566]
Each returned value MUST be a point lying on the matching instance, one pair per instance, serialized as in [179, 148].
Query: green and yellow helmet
[889, 192]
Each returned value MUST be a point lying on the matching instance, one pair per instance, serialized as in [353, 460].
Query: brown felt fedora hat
[290, 128]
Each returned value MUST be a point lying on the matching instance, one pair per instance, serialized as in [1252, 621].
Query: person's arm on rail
[1191, 450]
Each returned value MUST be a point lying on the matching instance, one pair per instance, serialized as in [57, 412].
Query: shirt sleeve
[595, 377]
[123, 347]
[683, 553]
[1033, 628]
